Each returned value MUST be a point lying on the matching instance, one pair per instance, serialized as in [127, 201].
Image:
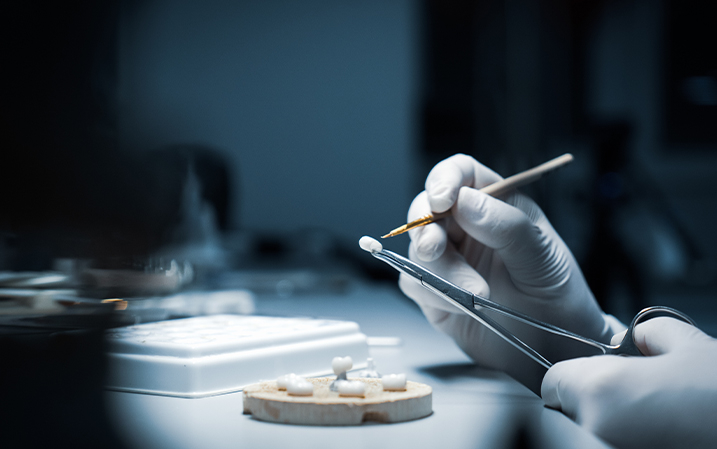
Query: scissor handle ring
[628, 345]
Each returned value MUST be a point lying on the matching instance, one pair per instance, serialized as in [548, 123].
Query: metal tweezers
[467, 302]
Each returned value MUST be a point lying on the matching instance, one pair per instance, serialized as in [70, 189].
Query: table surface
[472, 407]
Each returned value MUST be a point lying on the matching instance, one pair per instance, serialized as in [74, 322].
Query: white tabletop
[472, 407]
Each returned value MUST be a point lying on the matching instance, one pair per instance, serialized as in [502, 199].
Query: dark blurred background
[316, 122]
[261, 129]
[630, 88]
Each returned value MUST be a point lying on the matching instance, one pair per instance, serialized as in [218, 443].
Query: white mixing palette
[210, 355]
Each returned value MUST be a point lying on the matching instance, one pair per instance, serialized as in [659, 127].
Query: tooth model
[394, 382]
[300, 387]
[351, 388]
[284, 380]
[340, 365]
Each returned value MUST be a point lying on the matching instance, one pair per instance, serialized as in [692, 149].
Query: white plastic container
[211, 355]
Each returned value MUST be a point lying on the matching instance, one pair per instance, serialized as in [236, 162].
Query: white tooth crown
[370, 244]
[351, 388]
[299, 386]
[341, 364]
[394, 382]
[284, 380]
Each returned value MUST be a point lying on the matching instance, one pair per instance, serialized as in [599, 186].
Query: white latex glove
[667, 400]
[506, 251]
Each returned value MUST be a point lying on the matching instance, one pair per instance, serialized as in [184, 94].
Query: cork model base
[326, 408]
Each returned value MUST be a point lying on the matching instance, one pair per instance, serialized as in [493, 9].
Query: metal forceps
[467, 301]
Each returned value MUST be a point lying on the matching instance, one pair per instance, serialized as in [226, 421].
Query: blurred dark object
[629, 87]
[307, 261]
[691, 73]
[67, 189]
[448, 104]
[51, 384]
[502, 80]
[209, 167]
[150, 278]
[638, 240]
[607, 258]
[201, 220]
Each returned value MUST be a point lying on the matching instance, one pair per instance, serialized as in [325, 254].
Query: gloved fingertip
[441, 196]
[617, 338]
[496, 224]
[548, 389]
[558, 384]
[428, 242]
[429, 250]
[661, 335]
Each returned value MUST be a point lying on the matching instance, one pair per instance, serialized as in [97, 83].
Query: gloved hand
[667, 400]
[506, 251]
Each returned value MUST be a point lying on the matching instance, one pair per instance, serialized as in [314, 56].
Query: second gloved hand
[667, 399]
[503, 250]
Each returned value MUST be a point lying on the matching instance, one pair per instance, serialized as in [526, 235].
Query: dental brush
[495, 189]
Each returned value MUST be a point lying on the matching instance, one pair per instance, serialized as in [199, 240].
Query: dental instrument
[496, 189]
[467, 302]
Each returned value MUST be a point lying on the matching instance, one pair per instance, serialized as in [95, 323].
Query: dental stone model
[340, 365]
[357, 401]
